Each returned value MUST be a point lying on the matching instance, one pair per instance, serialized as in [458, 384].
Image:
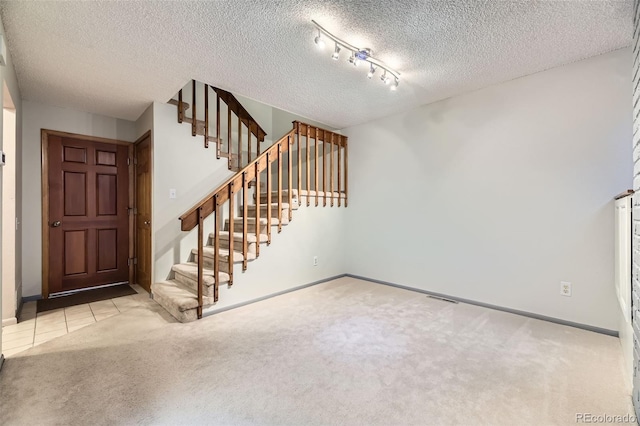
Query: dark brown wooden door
[88, 217]
[143, 217]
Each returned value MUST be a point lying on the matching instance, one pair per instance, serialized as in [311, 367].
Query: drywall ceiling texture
[114, 58]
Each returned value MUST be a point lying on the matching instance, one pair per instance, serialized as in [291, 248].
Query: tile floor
[33, 329]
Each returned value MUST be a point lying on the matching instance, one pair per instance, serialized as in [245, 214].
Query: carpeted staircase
[179, 295]
[240, 226]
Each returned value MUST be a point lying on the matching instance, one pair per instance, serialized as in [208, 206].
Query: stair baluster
[308, 133]
[245, 214]
[194, 118]
[239, 163]
[231, 230]
[216, 244]
[257, 171]
[279, 188]
[269, 160]
[206, 116]
[218, 140]
[249, 142]
[200, 261]
[296, 125]
[346, 171]
[339, 171]
[316, 166]
[324, 168]
[289, 176]
[229, 152]
[331, 166]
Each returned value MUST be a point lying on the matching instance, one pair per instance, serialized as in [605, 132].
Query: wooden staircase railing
[234, 148]
[302, 137]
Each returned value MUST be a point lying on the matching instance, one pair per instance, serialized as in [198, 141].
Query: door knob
[147, 222]
[56, 224]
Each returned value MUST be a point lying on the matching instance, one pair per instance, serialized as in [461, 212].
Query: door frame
[45, 133]
[146, 134]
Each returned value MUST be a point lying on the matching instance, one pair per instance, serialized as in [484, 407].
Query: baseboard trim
[31, 298]
[269, 296]
[606, 331]
[9, 321]
[1, 361]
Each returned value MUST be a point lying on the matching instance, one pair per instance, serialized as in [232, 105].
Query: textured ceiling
[114, 58]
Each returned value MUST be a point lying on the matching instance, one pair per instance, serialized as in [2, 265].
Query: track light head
[319, 40]
[394, 85]
[336, 53]
[353, 59]
[372, 70]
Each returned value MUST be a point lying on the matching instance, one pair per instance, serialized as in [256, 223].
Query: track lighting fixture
[358, 55]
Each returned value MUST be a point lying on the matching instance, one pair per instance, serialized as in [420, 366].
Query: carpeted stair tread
[285, 192]
[190, 270]
[237, 222]
[274, 196]
[237, 237]
[208, 251]
[312, 193]
[273, 204]
[251, 220]
[251, 210]
[179, 296]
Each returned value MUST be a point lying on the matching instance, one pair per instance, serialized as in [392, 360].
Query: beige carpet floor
[347, 352]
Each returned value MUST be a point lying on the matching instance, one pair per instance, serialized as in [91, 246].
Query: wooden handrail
[201, 127]
[188, 218]
[238, 184]
[234, 104]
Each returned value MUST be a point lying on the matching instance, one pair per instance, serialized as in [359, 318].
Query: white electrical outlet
[315, 260]
[172, 193]
[565, 288]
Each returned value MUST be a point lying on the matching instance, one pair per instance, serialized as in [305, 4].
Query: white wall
[499, 194]
[288, 262]
[36, 117]
[144, 123]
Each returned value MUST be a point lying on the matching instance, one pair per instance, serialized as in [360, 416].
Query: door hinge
[132, 261]
[132, 210]
[135, 161]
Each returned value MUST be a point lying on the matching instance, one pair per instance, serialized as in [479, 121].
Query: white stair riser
[237, 244]
[192, 284]
[274, 199]
[182, 316]
[251, 211]
[224, 264]
[251, 227]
